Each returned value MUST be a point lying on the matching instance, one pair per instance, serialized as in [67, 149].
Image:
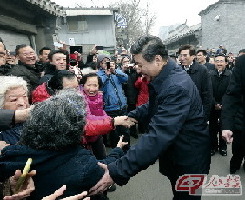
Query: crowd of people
[63, 112]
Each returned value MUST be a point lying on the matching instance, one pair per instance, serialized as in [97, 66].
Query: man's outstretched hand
[227, 136]
[104, 183]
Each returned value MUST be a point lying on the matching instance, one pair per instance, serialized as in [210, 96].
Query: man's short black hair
[204, 52]
[191, 49]
[51, 54]
[222, 55]
[242, 51]
[42, 49]
[149, 47]
[18, 47]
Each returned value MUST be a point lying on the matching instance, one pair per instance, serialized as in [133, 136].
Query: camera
[108, 65]
[73, 62]
[99, 47]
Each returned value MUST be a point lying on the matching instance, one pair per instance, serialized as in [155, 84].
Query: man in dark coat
[232, 99]
[4, 67]
[199, 75]
[178, 133]
[26, 67]
[201, 57]
[220, 80]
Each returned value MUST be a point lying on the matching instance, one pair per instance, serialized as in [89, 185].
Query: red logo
[197, 184]
[191, 183]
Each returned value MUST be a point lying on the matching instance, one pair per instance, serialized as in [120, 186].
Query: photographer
[115, 102]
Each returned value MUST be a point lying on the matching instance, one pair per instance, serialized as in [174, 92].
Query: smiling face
[59, 60]
[27, 55]
[16, 99]
[201, 58]
[220, 63]
[44, 56]
[151, 69]
[185, 58]
[91, 87]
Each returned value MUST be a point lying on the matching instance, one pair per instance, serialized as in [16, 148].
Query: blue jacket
[177, 135]
[75, 167]
[114, 98]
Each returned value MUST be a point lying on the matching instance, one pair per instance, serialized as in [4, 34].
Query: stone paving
[151, 185]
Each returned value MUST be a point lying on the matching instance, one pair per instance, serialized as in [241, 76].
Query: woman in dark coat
[51, 137]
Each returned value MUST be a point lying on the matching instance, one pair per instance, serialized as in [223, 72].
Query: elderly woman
[13, 96]
[51, 137]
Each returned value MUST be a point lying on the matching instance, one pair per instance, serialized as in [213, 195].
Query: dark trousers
[98, 148]
[120, 130]
[214, 129]
[181, 195]
[238, 149]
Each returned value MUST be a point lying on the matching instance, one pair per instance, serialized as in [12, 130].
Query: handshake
[125, 121]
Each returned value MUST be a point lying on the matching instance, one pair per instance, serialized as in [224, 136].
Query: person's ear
[158, 58]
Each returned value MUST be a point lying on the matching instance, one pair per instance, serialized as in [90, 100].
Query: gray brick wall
[229, 30]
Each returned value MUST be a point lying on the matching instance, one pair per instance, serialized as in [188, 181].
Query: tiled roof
[212, 6]
[49, 6]
[182, 31]
[89, 11]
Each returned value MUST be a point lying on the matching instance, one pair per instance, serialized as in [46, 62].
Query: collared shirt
[187, 67]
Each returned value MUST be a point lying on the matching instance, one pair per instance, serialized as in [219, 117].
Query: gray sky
[168, 12]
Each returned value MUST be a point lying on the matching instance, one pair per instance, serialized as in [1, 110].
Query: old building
[88, 27]
[223, 24]
[31, 22]
[182, 35]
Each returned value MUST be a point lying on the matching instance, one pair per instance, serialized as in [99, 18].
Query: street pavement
[151, 185]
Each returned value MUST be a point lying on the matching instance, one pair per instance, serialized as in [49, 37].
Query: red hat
[73, 56]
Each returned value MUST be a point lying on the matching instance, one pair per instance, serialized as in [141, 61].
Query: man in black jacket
[26, 67]
[201, 57]
[199, 75]
[232, 100]
[220, 80]
[4, 67]
[177, 134]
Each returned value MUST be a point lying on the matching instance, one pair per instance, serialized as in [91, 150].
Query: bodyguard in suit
[220, 80]
[177, 134]
[199, 75]
[232, 99]
[201, 57]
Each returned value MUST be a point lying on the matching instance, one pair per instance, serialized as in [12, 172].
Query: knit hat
[100, 57]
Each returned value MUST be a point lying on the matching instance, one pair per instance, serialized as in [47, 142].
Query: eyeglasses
[219, 61]
[28, 54]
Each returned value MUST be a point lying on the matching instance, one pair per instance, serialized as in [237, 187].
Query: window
[77, 23]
